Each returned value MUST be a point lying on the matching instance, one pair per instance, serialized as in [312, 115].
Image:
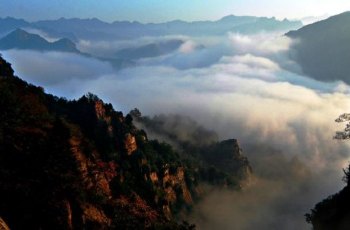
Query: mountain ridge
[95, 29]
[322, 48]
[81, 164]
[20, 39]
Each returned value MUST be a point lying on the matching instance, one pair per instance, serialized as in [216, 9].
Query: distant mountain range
[17, 34]
[20, 39]
[9, 24]
[150, 50]
[323, 48]
[94, 29]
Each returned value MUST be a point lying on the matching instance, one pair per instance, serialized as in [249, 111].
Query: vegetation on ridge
[81, 164]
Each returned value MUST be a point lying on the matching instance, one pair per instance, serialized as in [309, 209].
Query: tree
[344, 134]
[135, 113]
[333, 212]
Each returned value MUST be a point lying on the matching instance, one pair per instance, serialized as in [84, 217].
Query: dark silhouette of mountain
[9, 24]
[216, 158]
[124, 30]
[83, 165]
[20, 39]
[323, 49]
[94, 29]
[150, 50]
[75, 27]
[334, 211]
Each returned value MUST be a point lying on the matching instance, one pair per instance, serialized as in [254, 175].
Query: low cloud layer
[240, 88]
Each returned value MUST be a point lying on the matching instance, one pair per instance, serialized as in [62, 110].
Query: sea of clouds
[239, 86]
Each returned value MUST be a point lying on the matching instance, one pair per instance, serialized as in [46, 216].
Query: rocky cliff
[220, 163]
[82, 165]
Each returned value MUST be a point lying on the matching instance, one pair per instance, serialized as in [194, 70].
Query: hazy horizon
[156, 11]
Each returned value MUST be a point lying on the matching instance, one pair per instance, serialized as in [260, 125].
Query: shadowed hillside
[81, 164]
[334, 211]
[322, 49]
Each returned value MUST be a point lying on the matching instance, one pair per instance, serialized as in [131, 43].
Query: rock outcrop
[221, 163]
[227, 156]
[130, 143]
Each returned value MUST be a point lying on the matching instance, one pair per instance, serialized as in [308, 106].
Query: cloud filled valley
[240, 86]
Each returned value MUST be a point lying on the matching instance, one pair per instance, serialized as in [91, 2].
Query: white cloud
[50, 68]
[42, 34]
[188, 47]
[243, 91]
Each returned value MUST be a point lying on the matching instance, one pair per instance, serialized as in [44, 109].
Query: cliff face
[227, 156]
[81, 164]
[220, 163]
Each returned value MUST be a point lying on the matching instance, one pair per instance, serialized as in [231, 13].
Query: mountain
[224, 158]
[150, 50]
[95, 29]
[9, 24]
[334, 211]
[83, 165]
[323, 49]
[75, 28]
[20, 39]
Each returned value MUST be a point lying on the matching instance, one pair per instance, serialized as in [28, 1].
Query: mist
[239, 86]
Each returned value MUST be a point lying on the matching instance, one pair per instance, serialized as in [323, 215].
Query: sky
[167, 10]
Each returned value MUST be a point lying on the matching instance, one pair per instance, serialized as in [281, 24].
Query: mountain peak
[64, 44]
[323, 51]
[20, 32]
[233, 17]
[21, 39]
[22, 35]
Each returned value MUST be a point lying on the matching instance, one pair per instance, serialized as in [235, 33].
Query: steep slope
[20, 39]
[82, 165]
[217, 162]
[323, 49]
[333, 212]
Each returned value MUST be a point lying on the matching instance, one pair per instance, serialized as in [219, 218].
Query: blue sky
[166, 10]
